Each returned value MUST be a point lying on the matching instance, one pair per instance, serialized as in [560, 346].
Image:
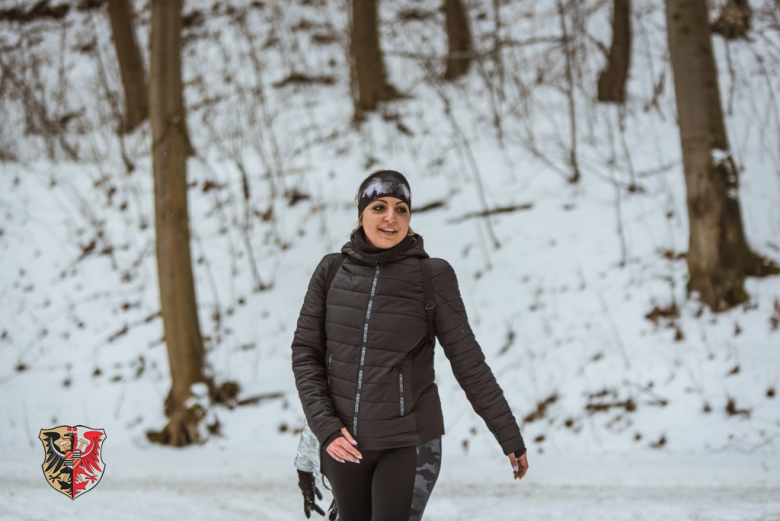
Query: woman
[363, 362]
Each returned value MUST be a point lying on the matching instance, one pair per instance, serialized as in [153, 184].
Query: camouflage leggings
[382, 486]
[428, 466]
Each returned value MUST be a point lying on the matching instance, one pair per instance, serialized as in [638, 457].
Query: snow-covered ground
[669, 417]
[257, 484]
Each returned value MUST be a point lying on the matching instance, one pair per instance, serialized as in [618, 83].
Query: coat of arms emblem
[73, 463]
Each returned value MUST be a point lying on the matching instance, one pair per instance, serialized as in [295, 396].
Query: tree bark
[612, 80]
[131, 65]
[174, 265]
[370, 76]
[718, 257]
[574, 178]
[733, 19]
[459, 37]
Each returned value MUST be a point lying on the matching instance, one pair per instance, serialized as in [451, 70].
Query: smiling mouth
[387, 232]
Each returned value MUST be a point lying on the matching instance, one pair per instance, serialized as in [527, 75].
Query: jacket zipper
[363, 352]
[401, 386]
[330, 360]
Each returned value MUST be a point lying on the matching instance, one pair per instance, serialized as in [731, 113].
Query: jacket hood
[360, 251]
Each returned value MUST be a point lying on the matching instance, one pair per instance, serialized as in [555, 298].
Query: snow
[232, 482]
[559, 304]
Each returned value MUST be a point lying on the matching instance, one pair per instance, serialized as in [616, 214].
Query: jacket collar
[359, 249]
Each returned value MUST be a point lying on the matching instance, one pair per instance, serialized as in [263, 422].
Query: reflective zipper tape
[401, 386]
[363, 352]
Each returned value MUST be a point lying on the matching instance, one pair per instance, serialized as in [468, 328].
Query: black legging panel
[386, 484]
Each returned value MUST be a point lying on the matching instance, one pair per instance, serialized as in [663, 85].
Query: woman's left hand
[519, 465]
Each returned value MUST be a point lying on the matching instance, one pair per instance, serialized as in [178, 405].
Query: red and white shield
[73, 461]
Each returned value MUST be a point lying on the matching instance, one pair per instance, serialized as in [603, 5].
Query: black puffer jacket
[364, 359]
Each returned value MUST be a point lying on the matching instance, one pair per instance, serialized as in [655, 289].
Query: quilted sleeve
[308, 357]
[468, 360]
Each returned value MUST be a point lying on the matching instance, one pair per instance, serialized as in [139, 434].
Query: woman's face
[386, 222]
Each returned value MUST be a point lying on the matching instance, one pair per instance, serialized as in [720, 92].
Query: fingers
[523, 465]
[347, 452]
[317, 509]
[347, 435]
[335, 453]
[319, 494]
[519, 466]
[351, 450]
[352, 447]
[342, 450]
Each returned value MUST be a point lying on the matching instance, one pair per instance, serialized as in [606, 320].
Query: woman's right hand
[344, 448]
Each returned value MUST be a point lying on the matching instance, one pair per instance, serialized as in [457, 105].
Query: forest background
[603, 175]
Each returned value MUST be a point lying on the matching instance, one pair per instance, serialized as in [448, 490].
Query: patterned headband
[384, 183]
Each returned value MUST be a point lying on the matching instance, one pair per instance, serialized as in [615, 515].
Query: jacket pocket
[401, 389]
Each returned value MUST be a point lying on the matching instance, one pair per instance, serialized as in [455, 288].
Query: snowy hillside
[576, 292]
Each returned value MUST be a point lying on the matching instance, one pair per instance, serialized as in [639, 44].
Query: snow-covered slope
[559, 287]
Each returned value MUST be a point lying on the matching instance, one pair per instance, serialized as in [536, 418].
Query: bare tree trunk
[612, 80]
[174, 265]
[574, 178]
[131, 66]
[368, 62]
[718, 257]
[733, 19]
[459, 36]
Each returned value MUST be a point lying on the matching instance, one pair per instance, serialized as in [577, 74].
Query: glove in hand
[309, 490]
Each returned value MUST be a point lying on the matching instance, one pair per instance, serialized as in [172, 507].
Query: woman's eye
[379, 208]
[403, 210]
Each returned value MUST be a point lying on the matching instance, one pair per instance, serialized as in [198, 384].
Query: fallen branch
[493, 211]
[658, 399]
[254, 400]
